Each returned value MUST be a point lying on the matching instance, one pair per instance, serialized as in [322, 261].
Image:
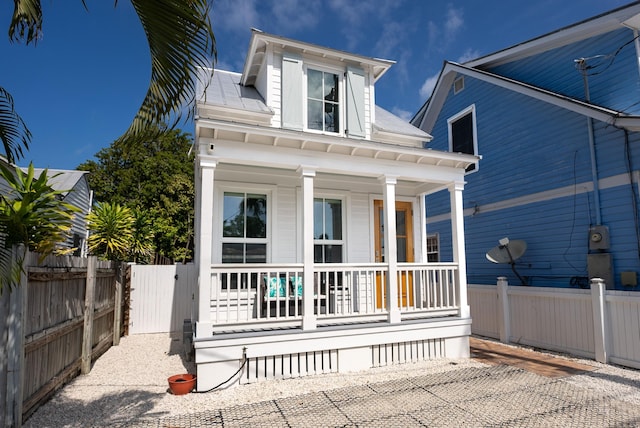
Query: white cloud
[294, 15]
[468, 55]
[355, 15]
[403, 114]
[454, 21]
[440, 37]
[393, 36]
[234, 15]
[428, 86]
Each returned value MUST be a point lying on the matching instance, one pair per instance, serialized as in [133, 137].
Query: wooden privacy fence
[66, 312]
[598, 323]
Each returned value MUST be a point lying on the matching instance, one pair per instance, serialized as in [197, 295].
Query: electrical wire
[582, 66]
[244, 353]
[573, 221]
[634, 197]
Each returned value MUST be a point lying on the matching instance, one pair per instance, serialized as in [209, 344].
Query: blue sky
[80, 86]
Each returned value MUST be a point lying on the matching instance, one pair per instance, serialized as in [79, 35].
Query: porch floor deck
[234, 333]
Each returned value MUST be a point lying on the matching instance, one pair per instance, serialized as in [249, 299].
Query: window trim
[435, 236]
[342, 242]
[218, 219]
[450, 121]
[306, 65]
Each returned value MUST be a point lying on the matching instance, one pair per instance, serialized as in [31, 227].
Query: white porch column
[457, 235]
[205, 239]
[309, 320]
[391, 247]
[423, 228]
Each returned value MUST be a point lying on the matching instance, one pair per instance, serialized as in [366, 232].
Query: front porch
[247, 297]
[344, 322]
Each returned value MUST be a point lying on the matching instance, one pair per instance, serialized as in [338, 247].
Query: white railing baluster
[341, 291]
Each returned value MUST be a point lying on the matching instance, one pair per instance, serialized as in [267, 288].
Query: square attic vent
[458, 85]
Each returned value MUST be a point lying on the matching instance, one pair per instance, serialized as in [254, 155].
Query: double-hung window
[433, 248]
[323, 101]
[244, 234]
[462, 133]
[328, 237]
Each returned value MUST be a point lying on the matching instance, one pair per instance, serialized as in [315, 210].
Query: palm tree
[181, 41]
[112, 231]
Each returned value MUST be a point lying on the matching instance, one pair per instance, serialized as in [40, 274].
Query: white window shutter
[292, 102]
[355, 103]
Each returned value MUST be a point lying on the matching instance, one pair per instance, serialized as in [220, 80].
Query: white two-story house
[302, 269]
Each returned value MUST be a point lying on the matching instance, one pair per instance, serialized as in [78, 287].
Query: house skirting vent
[407, 352]
[290, 366]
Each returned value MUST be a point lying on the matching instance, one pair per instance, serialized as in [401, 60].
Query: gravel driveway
[128, 386]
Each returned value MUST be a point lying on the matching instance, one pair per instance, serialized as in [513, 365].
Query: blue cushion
[296, 285]
[277, 287]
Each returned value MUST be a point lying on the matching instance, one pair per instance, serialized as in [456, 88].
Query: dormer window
[323, 101]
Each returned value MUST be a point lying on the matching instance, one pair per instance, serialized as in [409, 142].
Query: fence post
[117, 310]
[89, 306]
[504, 314]
[15, 343]
[599, 320]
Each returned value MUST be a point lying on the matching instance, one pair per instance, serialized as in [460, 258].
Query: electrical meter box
[599, 266]
[598, 238]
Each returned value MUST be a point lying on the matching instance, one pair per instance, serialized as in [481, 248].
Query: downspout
[582, 65]
[637, 44]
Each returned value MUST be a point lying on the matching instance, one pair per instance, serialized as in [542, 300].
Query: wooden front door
[404, 238]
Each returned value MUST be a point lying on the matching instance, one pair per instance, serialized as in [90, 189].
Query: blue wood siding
[614, 79]
[534, 183]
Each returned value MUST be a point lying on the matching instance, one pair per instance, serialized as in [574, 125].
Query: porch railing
[342, 292]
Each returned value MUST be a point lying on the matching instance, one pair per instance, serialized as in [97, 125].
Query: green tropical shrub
[111, 229]
[32, 216]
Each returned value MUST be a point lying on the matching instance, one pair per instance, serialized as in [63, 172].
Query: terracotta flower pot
[182, 383]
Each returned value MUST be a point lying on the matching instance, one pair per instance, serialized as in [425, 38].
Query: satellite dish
[508, 252]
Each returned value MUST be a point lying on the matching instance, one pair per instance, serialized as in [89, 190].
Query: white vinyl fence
[162, 297]
[598, 323]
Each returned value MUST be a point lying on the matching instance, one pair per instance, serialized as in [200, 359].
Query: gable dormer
[311, 88]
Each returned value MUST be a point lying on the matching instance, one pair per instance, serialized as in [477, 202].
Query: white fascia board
[603, 23]
[378, 65]
[438, 97]
[288, 158]
[451, 70]
[354, 143]
[401, 139]
[211, 111]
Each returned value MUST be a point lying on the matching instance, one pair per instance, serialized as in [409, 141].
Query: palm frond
[14, 134]
[26, 22]
[11, 267]
[181, 41]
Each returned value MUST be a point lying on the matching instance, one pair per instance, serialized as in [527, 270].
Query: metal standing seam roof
[65, 179]
[224, 89]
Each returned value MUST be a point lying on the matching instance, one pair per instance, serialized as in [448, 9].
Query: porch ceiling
[316, 144]
[323, 180]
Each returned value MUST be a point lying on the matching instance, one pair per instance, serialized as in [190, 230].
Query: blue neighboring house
[556, 121]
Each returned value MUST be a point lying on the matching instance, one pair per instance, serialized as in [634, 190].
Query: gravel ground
[129, 382]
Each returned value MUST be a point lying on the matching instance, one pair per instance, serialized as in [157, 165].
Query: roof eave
[451, 71]
[608, 21]
[378, 66]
